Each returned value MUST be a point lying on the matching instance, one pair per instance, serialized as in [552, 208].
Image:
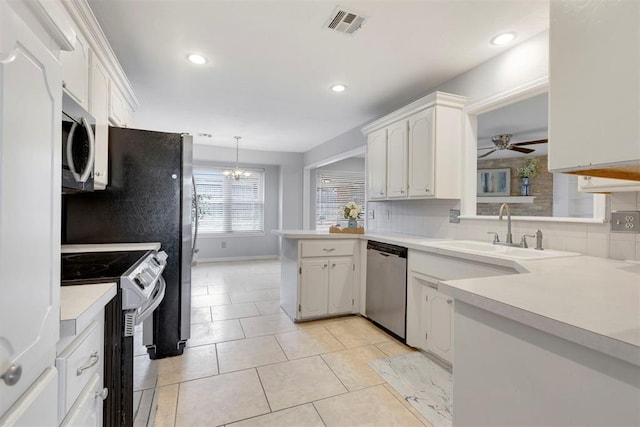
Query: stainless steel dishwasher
[387, 286]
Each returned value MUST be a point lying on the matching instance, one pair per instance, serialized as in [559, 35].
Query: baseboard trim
[238, 258]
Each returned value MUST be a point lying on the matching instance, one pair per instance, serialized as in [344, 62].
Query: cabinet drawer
[77, 364]
[87, 411]
[323, 248]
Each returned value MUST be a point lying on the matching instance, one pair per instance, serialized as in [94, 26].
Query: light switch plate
[371, 214]
[625, 222]
[454, 216]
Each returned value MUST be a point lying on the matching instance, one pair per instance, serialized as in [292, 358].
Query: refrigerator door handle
[195, 218]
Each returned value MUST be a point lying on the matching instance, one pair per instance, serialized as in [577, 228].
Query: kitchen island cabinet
[319, 277]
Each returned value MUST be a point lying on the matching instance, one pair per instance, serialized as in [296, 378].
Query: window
[229, 206]
[334, 189]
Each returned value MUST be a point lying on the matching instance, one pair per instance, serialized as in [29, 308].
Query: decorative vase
[353, 224]
[525, 190]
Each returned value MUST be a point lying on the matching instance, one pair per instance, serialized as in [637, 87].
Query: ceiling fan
[501, 142]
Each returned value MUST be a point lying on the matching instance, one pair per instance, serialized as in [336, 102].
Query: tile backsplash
[430, 218]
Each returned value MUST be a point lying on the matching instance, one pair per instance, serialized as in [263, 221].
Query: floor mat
[423, 383]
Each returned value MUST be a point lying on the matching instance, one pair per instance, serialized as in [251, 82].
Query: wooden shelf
[505, 199]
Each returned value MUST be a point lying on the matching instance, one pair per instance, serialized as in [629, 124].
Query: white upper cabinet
[30, 180]
[75, 71]
[397, 159]
[100, 111]
[594, 88]
[588, 184]
[377, 164]
[422, 158]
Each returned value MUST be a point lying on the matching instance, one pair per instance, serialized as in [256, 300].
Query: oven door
[78, 148]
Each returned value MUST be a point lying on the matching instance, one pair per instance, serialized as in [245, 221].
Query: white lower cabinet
[81, 365]
[429, 311]
[326, 286]
[429, 317]
[326, 278]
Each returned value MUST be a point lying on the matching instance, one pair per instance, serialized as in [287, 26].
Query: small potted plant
[352, 211]
[528, 170]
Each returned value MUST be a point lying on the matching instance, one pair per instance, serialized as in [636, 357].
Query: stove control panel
[137, 287]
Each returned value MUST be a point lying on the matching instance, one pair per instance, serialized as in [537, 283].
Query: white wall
[284, 167]
[340, 144]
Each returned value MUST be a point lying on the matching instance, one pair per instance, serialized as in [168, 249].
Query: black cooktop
[95, 267]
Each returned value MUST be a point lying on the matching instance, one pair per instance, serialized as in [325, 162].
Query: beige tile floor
[248, 364]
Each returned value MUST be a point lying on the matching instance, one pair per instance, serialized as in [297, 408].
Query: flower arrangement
[351, 210]
[529, 169]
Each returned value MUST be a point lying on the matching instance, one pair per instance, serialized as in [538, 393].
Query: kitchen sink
[501, 251]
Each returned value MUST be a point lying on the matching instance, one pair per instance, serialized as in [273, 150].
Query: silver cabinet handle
[324, 266]
[92, 148]
[401, 191]
[432, 285]
[12, 375]
[102, 394]
[93, 359]
[333, 266]
[449, 301]
[328, 249]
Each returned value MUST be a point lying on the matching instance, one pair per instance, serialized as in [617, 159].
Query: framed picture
[494, 182]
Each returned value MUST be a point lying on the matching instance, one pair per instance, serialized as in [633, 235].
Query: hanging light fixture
[236, 173]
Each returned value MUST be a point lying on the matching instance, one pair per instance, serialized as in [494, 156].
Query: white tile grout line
[263, 390]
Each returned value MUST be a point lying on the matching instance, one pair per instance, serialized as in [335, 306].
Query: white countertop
[594, 302]
[110, 247]
[79, 304]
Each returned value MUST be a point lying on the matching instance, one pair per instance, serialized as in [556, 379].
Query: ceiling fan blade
[487, 148]
[521, 150]
[538, 141]
[487, 153]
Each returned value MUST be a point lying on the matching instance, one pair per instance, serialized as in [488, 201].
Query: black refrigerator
[148, 199]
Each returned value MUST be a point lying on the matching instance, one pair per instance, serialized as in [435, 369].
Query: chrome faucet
[509, 238]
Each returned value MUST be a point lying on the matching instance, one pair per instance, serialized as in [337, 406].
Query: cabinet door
[397, 159]
[117, 109]
[100, 111]
[341, 285]
[421, 153]
[87, 410]
[439, 324]
[30, 179]
[75, 71]
[377, 164]
[314, 287]
[415, 303]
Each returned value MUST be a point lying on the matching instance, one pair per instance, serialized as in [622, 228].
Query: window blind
[227, 205]
[334, 189]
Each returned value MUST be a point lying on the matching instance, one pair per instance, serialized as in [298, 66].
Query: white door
[397, 159]
[377, 164]
[341, 285]
[421, 153]
[314, 287]
[87, 410]
[416, 302]
[30, 179]
[75, 71]
[100, 112]
[440, 324]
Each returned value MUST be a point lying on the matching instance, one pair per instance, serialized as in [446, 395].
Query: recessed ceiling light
[503, 38]
[338, 88]
[197, 59]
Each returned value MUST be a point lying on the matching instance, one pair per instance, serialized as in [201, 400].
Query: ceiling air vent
[344, 21]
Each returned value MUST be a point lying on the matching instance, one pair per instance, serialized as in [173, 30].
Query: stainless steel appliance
[141, 288]
[386, 301]
[78, 147]
[148, 199]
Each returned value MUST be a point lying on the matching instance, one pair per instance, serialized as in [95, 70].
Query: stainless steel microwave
[78, 147]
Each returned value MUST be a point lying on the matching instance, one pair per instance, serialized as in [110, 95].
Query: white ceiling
[271, 62]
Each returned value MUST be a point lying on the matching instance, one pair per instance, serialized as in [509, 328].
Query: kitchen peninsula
[563, 334]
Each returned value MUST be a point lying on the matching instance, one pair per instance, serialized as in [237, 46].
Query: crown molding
[435, 98]
[53, 19]
[86, 21]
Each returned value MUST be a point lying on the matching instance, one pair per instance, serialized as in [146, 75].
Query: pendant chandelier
[236, 173]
